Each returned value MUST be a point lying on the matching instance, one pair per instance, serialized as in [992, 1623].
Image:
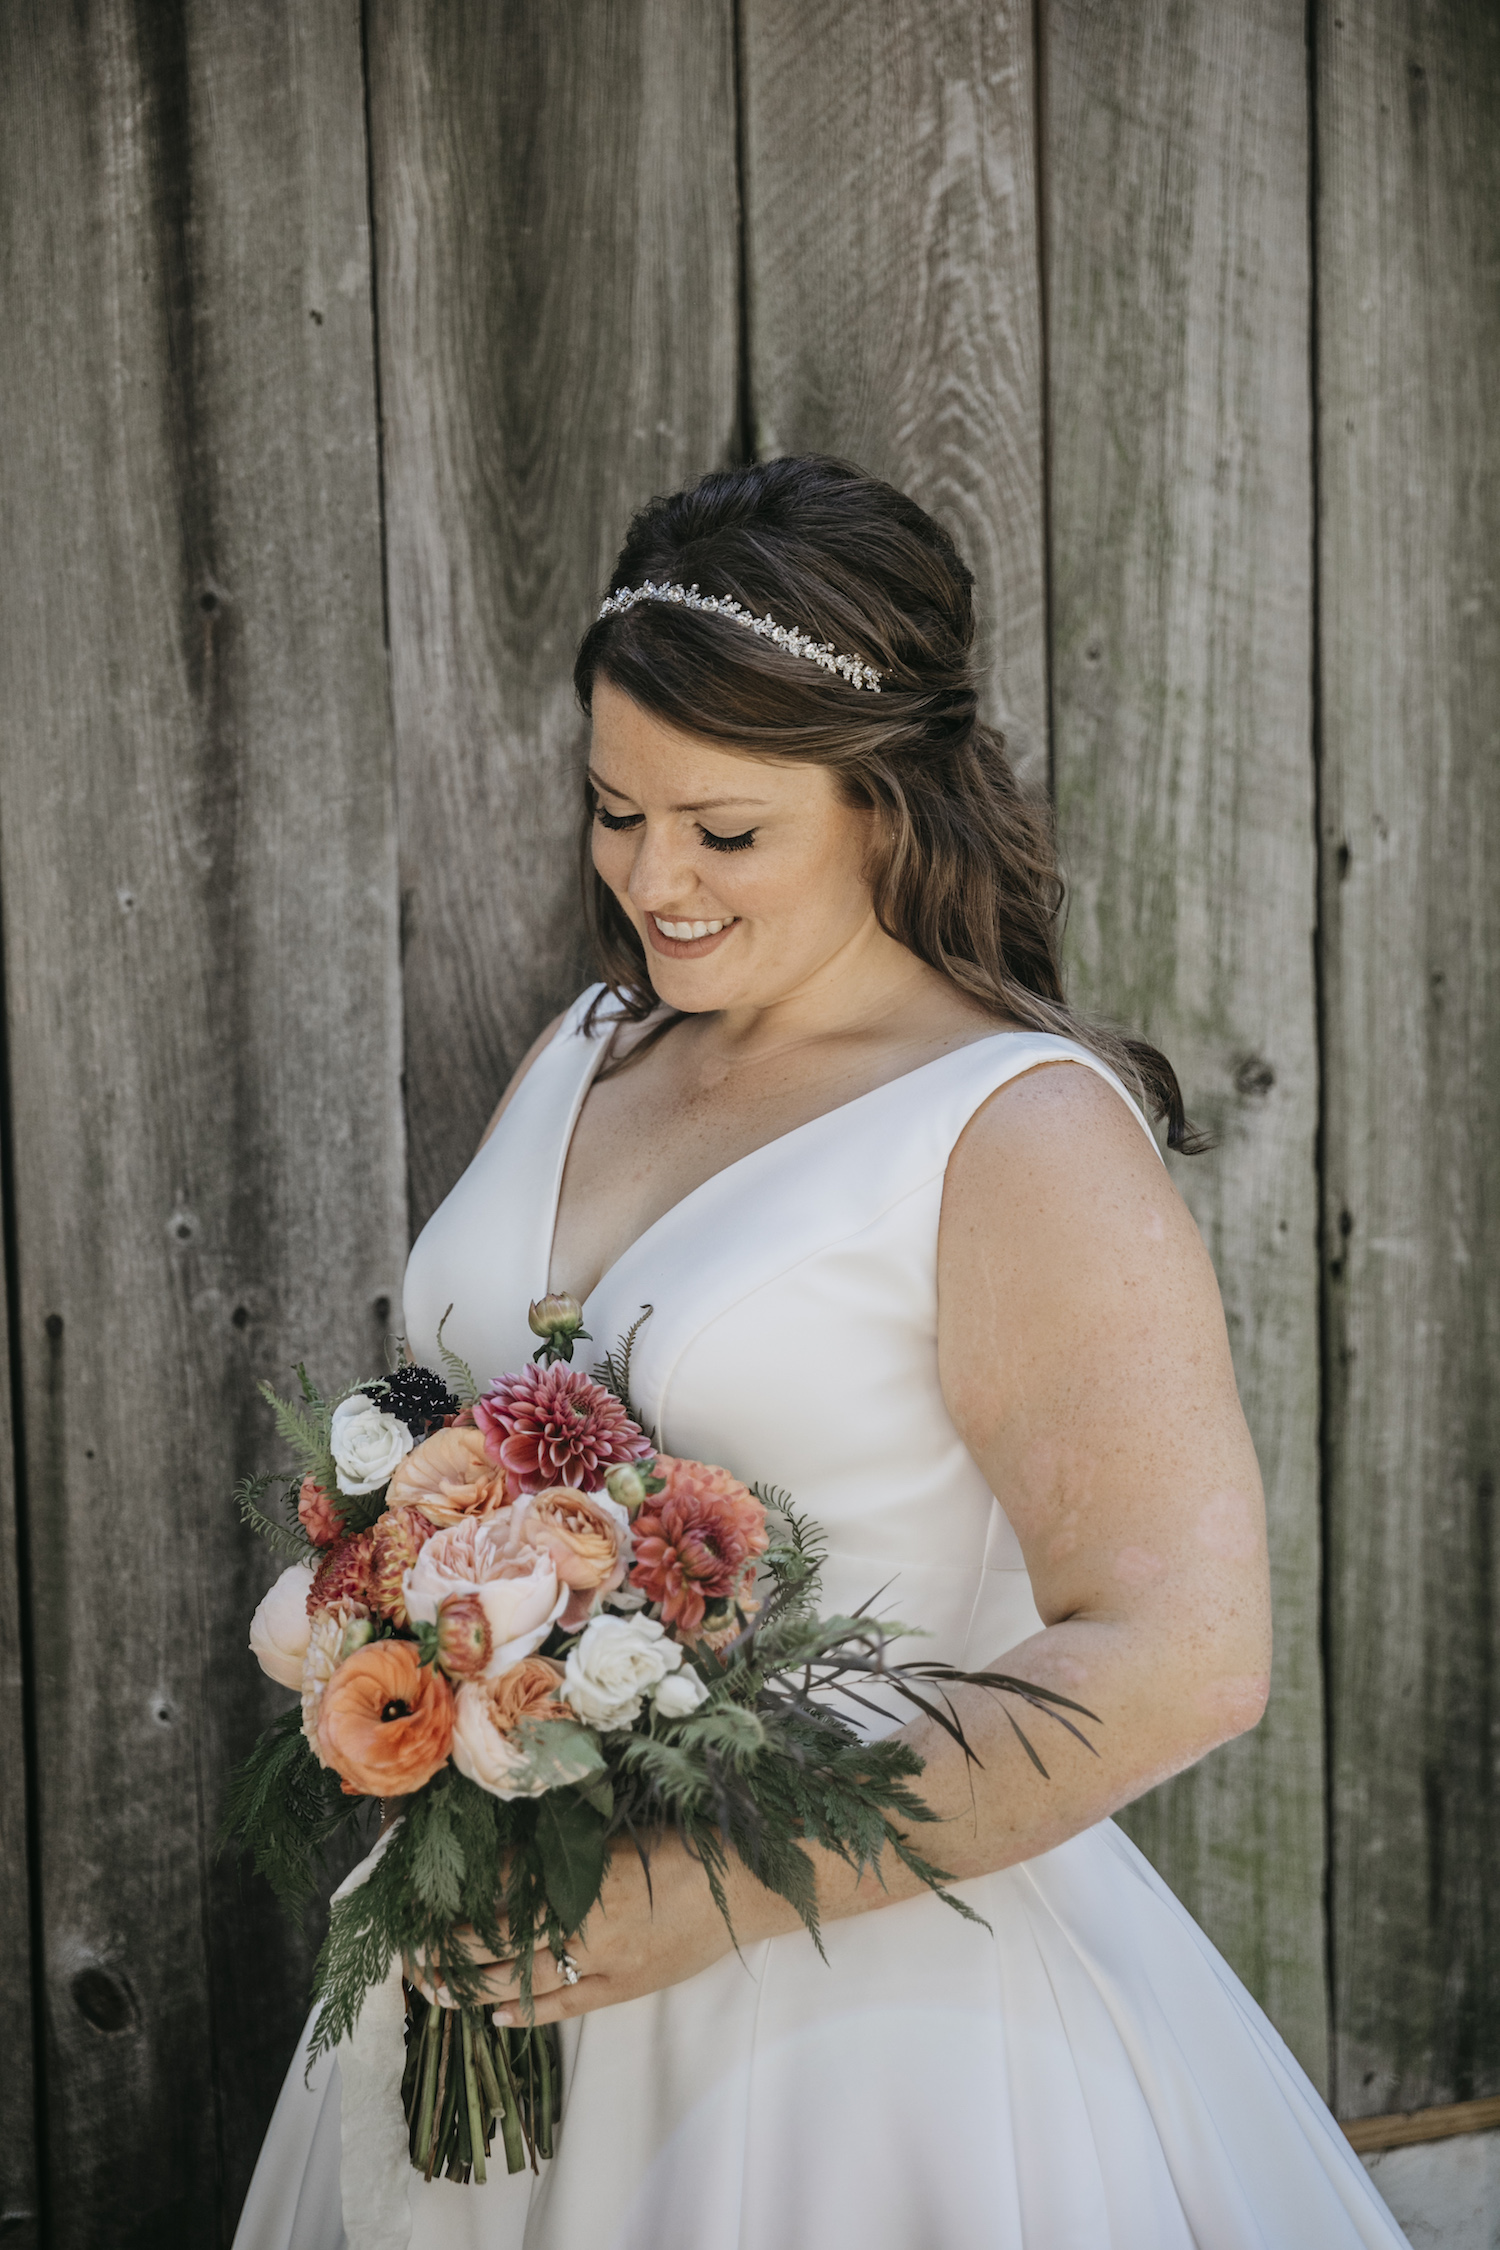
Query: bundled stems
[463, 2077]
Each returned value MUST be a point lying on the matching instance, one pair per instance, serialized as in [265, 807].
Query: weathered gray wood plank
[891, 274]
[19, 2225]
[1408, 239]
[1176, 218]
[557, 247]
[202, 991]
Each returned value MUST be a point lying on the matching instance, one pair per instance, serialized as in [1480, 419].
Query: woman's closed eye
[617, 822]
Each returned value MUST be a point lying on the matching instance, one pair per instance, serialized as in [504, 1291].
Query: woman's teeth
[683, 931]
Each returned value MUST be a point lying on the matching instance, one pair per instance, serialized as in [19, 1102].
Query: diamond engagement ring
[567, 1968]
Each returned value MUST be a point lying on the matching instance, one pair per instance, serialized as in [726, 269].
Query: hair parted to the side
[965, 872]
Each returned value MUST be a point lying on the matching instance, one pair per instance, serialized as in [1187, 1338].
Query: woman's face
[744, 876]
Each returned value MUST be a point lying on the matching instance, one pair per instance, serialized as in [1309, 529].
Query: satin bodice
[793, 1330]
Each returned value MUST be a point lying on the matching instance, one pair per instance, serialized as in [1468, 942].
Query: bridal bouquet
[511, 1616]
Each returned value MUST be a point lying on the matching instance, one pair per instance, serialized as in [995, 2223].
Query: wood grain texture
[19, 2215]
[892, 284]
[1176, 219]
[202, 992]
[557, 245]
[1409, 340]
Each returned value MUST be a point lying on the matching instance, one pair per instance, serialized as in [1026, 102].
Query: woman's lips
[684, 949]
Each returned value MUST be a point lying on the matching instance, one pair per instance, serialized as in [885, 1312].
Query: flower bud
[463, 1636]
[626, 1486]
[558, 1320]
[356, 1633]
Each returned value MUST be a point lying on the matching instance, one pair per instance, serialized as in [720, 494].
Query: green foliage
[283, 1538]
[284, 1807]
[570, 1838]
[462, 1381]
[613, 1371]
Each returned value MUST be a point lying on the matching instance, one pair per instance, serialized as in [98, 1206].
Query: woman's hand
[635, 1941]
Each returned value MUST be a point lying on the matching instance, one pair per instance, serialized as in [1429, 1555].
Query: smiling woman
[893, 1234]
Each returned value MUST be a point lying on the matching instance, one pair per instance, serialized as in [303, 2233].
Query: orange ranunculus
[586, 1536]
[386, 1722]
[449, 1476]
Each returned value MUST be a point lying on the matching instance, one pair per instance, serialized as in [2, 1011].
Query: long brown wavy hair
[964, 870]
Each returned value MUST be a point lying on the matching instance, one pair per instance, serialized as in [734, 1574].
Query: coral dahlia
[551, 1426]
[696, 1542]
[344, 1574]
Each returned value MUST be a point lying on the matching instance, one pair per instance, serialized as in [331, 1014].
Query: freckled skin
[1082, 1348]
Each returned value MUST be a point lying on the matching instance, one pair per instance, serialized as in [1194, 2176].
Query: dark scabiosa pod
[420, 1399]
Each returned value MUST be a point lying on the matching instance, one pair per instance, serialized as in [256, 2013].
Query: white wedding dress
[1087, 2074]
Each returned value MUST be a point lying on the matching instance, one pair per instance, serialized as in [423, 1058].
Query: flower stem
[471, 2094]
[510, 2112]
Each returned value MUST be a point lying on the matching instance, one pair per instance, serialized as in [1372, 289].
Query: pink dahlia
[550, 1426]
[696, 1542]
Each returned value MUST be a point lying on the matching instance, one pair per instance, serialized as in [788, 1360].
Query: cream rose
[280, 1628]
[336, 1633]
[487, 1714]
[366, 1444]
[617, 1661]
[520, 1592]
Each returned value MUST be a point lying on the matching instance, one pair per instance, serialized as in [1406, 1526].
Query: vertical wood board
[557, 242]
[200, 932]
[19, 2212]
[1176, 221]
[1408, 236]
[892, 285]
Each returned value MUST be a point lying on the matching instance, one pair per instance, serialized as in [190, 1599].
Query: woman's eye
[727, 843]
[616, 821]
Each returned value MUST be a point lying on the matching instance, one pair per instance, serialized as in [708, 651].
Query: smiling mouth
[684, 940]
[684, 931]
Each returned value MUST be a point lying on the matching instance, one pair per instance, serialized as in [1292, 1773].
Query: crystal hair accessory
[852, 668]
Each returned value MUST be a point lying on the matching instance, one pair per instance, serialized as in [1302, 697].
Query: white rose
[521, 1596]
[281, 1627]
[678, 1694]
[617, 1660]
[366, 1444]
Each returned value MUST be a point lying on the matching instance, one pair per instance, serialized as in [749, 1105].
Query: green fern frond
[284, 1538]
[461, 1378]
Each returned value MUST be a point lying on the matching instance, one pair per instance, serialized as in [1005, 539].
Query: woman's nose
[662, 873]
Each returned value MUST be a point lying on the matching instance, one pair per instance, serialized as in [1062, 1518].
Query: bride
[911, 1254]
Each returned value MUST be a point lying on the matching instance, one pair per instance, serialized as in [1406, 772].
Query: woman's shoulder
[573, 1018]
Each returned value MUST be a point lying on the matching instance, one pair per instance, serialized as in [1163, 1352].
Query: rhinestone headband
[852, 668]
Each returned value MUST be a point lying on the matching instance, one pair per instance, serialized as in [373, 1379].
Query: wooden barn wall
[1409, 482]
[1187, 343]
[199, 886]
[554, 199]
[1181, 579]
[893, 313]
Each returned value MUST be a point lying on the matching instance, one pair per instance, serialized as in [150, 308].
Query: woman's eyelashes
[617, 822]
